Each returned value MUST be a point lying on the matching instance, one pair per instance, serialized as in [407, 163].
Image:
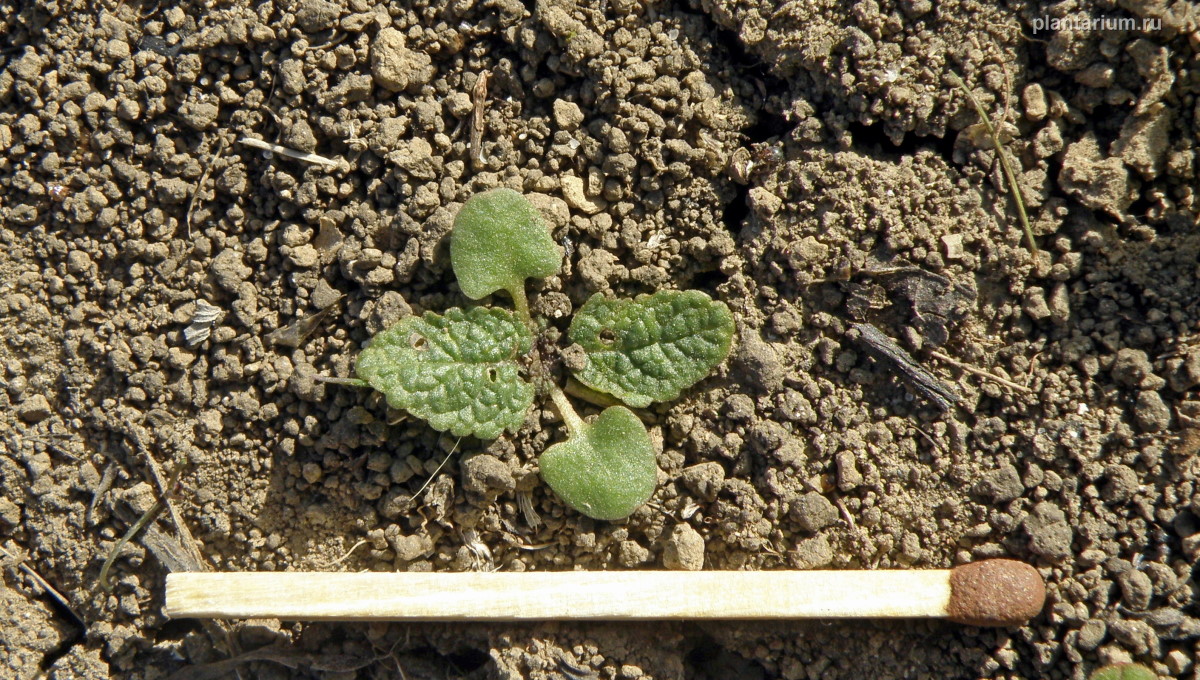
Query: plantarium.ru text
[462, 371]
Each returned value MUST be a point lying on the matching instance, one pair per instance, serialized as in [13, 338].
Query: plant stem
[1011, 176]
[569, 416]
[521, 303]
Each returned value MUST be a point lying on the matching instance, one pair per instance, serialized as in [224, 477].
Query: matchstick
[988, 593]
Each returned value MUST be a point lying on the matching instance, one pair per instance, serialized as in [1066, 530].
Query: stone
[1121, 483]
[1131, 367]
[1035, 303]
[1136, 636]
[1177, 662]
[396, 67]
[487, 476]
[567, 114]
[848, 475]
[684, 550]
[813, 512]
[313, 16]
[1001, 485]
[1150, 412]
[811, 553]
[573, 193]
[1034, 99]
[1136, 589]
[1092, 634]
[1099, 183]
[229, 270]
[34, 409]
[409, 548]
[1050, 535]
[704, 479]
[304, 257]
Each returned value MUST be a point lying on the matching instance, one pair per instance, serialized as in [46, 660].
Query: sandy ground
[168, 294]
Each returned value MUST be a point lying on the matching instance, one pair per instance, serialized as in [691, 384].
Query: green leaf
[499, 240]
[457, 371]
[652, 348]
[607, 469]
[1124, 671]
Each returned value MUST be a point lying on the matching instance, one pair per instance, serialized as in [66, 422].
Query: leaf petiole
[572, 420]
[521, 304]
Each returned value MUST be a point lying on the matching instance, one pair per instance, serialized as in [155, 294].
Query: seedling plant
[465, 371]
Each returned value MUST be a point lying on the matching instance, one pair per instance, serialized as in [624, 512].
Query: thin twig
[45, 586]
[343, 558]
[1011, 176]
[167, 488]
[290, 153]
[929, 438]
[479, 101]
[106, 482]
[187, 220]
[981, 373]
[439, 468]
[897, 359]
[147, 517]
[841, 506]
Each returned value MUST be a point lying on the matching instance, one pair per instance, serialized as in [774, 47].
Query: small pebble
[849, 477]
[567, 114]
[684, 550]
[811, 553]
[573, 194]
[1121, 483]
[1151, 412]
[1136, 589]
[1001, 485]
[1049, 533]
[34, 409]
[1033, 97]
[813, 512]
[1092, 634]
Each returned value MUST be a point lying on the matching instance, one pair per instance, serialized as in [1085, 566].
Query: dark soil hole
[708, 281]
[177, 629]
[1140, 208]
[736, 210]
[768, 125]
[467, 660]
[70, 641]
[710, 661]
[769, 128]
[872, 138]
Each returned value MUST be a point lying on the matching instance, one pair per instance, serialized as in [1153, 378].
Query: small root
[292, 153]
[981, 373]
[1018, 197]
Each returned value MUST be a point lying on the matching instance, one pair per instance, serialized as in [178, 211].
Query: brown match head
[995, 593]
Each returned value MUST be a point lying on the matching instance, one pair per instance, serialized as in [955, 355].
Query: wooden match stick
[988, 593]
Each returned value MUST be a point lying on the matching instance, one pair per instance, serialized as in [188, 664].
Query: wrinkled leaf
[457, 371]
[499, 240]
[652, 348]
[607, 470]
